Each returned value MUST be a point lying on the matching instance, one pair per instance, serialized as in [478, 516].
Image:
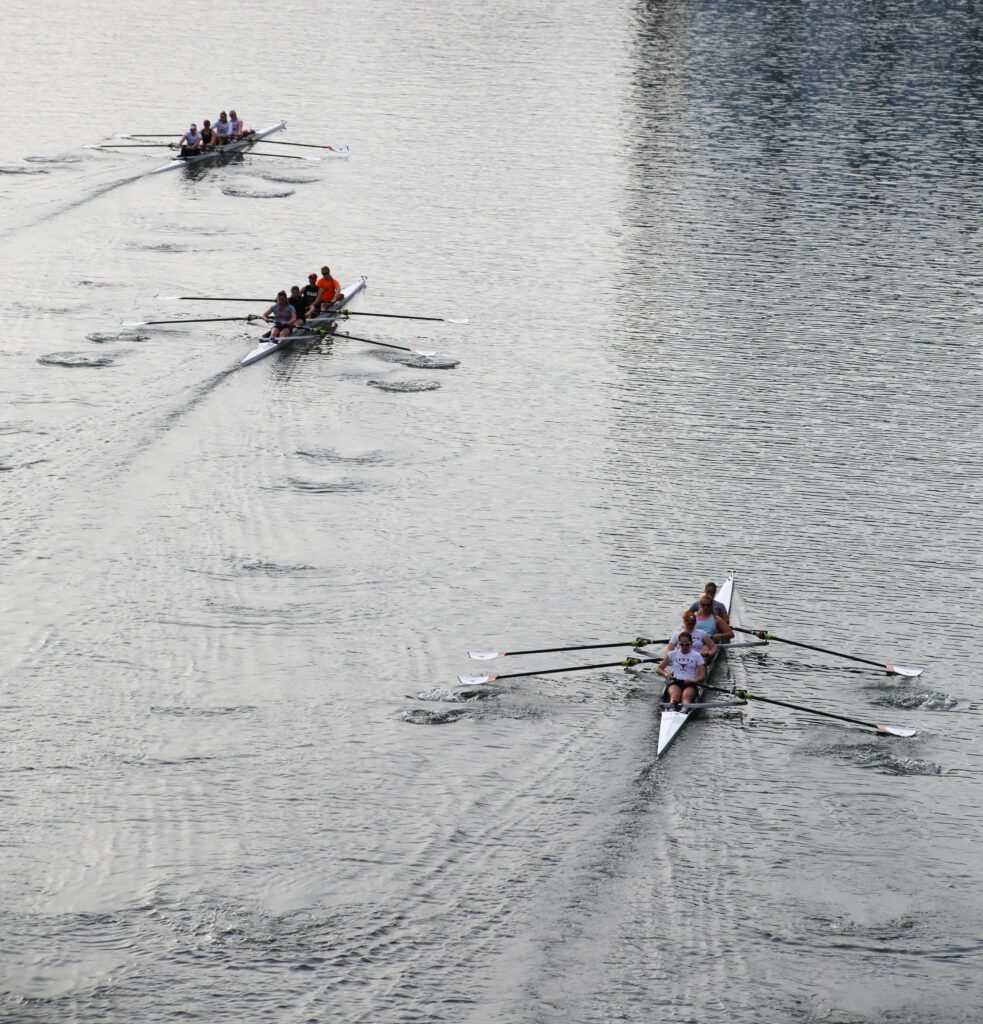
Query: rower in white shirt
[223, 129]
[688, 671]
[190, 141]
[702, 641]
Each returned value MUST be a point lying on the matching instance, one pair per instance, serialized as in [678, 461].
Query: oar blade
[167, 298]
[475, 680]
[895, 730]
[903, 670]
[486, 655]
[134, 323]
[457, 319]
[423, 352]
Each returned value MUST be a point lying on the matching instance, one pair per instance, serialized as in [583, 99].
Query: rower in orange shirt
[329, 290]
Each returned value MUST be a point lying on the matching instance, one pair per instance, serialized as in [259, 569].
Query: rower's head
[233, 115]
[325, 271]
[294, 290]
[706, 604]
[689, 618]
[206, 123]
[684, 640]
[193, 128]
[281, 297]
[223, 116]
[711, 589]
[312, 277]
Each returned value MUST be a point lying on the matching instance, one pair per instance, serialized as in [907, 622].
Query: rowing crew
[228, 128]
[705, 625]
[294, 310]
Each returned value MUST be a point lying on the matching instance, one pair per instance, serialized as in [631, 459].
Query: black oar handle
[765, 635]
[369, 341]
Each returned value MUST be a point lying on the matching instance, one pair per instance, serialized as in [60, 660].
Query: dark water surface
[721, 262]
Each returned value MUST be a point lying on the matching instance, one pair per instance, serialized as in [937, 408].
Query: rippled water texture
[722, 268]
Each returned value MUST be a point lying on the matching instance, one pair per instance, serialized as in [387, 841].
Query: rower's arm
[661, 667]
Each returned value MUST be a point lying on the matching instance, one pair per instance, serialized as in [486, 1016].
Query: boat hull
[229, 149]
[267, 348]
[671, 723]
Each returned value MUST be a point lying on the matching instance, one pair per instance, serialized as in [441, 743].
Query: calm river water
[721, 261]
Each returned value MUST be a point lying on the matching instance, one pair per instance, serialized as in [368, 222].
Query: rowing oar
[888, 730]
[892, 670]
[347, 312]
[401, 316]
[490, 655]
[369, 341]
[624, 663]
[145, 135]
[282, 156]
[203, 320]
[340, 148]
[129, 145]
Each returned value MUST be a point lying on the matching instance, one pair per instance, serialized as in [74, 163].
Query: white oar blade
[423, 352]
[457, 320]
[485, 655]
[902, 670]
[91, 145]
[313, 159]
[122, 135]
[167, 298]
[339, 147]
[133, 323]
[895, 730]
[475, 680]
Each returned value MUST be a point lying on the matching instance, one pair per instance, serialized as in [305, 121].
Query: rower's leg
[689, 695]
[673, 693]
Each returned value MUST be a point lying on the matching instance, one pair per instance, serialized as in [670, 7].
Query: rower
[311, 290]
[702, 642]
[707, 619]
[207, 134]
[300, 303]
[329, 290]
[718, 606]
[238, 128]
[190, 141]
[284, 317]
[223, 129]
[688, 671]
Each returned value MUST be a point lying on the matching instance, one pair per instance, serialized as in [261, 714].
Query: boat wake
[75, 360]
[245, 193]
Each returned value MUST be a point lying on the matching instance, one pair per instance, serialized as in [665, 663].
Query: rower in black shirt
[311, 290]
[300, 302]
[207, 135]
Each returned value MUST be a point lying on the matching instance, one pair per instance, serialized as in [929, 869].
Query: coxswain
[688, 671]
[299, 301]
[713, 624]
[207, 134]
[702, 642]
[283, 315]
[718, 606]
[190, 141]
[223, 129]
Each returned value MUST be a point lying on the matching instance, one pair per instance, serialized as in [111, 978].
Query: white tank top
[223, 131]
[235, 126]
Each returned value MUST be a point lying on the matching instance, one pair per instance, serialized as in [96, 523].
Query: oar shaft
[369, 341]
[637, 642]
[395, 316]
[765, 635]
[744, 695]
[624, 663]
